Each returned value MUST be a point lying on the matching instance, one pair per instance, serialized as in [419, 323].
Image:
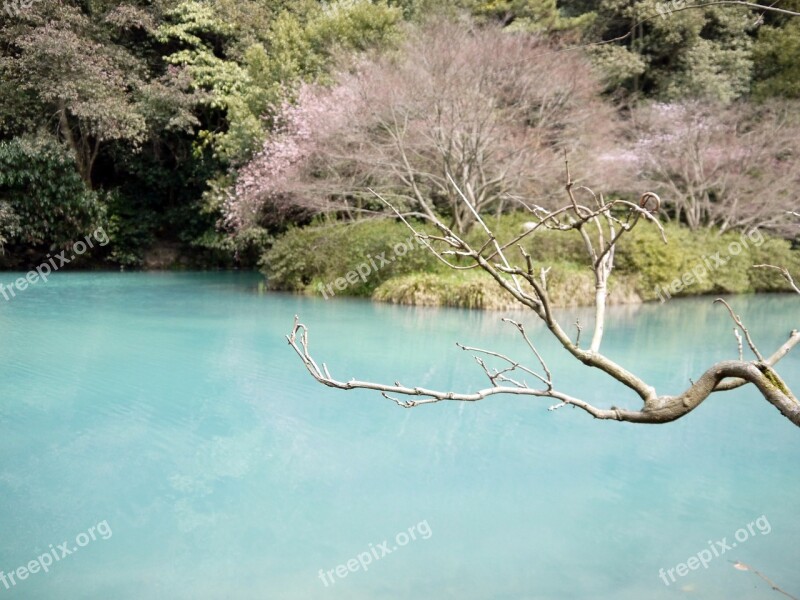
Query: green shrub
[40, 189]
[355, 25]
[544, 245]
[694, 253]
[776, 252]
[461, 289]
[305, 259]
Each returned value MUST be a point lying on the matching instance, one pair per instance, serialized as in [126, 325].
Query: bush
[544, 245]
[461, 289]
[304, 259]
[776, 252]
[659, 265]
[41, 189]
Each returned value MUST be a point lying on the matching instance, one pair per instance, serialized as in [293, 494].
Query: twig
[732, 384]
[739, 342]
[737, 319]
[524, 335]
[743, 567]
[783, 271]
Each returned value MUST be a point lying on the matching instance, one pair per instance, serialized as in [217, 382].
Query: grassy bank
[379, 259]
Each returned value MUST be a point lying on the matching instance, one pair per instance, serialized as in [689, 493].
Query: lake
[160, 439]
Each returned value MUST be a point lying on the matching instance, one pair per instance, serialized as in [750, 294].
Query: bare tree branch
[743, 567]
[738, 320]
[601, 230]
[664, 410]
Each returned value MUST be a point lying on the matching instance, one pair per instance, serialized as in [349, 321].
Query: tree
[61, 63]
[248, 74]
[777, 60]
[477, 111]
[716, 166]
[694, 51]
[41, 189]
[265, 190]
[600, 224]
[529, 15]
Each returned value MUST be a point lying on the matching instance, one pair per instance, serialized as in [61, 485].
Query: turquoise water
[167, 412]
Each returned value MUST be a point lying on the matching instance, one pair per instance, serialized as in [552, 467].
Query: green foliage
[247, 76]
[302, 259]
[131, 229]
[291, 52]
[197, 30]
[618, 64]
[697, 53]
[226, 250]
[530, 15]
[422, 10]
[776, 252]
[354, 25]
[777, 61]
[62, 67]
[44, 203]
[10, 226]
[568, 284]
[698, 253]
[461, 289]
[718, 69]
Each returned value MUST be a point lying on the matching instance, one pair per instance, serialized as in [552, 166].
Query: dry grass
[569, 285]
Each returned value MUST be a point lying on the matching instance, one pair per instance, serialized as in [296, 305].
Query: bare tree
[466, 120]
[457, 110]
[727, 167]
[601, 224]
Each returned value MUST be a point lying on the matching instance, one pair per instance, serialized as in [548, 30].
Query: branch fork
[600, 227]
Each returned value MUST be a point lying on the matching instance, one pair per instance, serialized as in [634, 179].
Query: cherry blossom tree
[269, 182]
[716, 166]
[457, 110]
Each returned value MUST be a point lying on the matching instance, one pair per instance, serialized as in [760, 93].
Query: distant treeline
[196, 132]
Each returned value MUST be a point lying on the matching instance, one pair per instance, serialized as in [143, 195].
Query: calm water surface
[170, 407]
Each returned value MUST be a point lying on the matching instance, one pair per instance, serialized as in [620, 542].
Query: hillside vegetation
[222, 134]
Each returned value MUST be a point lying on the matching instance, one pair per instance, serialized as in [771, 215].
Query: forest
[264, 134]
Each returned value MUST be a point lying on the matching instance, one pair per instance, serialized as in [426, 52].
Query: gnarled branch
[600, 228]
